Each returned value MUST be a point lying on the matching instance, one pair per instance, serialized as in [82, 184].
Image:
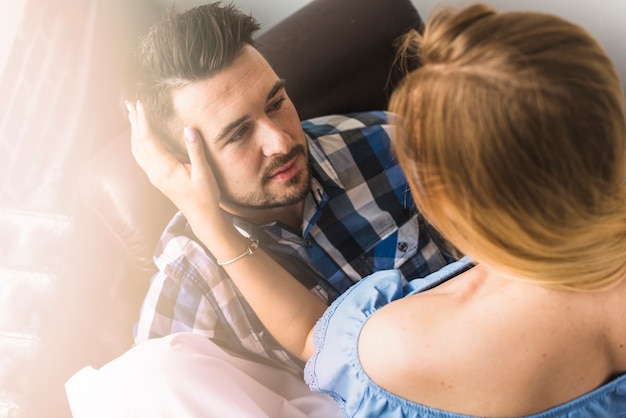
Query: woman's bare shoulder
[410, 344]
[470, 346]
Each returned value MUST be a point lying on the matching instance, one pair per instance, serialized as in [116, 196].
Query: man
[325, 198]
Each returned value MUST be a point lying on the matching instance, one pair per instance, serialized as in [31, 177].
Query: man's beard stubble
[263, 200]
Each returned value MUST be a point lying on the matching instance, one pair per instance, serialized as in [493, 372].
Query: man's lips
[286, 171]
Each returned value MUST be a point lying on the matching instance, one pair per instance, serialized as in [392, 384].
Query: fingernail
[190, 134]
[127, 103]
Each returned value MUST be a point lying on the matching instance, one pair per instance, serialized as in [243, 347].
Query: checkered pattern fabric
[358, 218]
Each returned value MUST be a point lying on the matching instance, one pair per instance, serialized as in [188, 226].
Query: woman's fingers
[195, 149]
[155, 160]
[191, 187]
[136, 130]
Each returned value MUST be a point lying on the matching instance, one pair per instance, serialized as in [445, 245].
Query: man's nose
[275, 140]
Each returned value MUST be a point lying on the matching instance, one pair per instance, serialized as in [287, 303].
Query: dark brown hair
[183, 48]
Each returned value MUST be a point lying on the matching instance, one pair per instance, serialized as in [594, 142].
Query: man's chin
[262, 204]
[296, 192]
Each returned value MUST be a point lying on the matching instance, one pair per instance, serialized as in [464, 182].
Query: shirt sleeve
[191, 293]
[183, 294]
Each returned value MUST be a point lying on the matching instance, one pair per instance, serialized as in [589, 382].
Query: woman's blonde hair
[513, 140]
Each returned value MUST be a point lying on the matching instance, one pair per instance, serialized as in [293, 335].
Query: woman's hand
[191, 187]
[286, 307]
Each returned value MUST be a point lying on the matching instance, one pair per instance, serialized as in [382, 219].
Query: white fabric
[186, 375]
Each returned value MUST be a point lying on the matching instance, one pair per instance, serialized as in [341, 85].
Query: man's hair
[513, 140]
[183, 48]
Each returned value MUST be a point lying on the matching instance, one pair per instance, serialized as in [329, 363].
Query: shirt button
[307, 242]
[403, 246]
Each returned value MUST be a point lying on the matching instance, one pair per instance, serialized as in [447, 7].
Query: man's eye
[276, 105]
[239, 134]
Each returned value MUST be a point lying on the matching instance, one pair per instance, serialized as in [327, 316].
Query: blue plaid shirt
[358, 218]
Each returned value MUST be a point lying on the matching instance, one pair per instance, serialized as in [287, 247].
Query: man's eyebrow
[280, 84]
[230, 127]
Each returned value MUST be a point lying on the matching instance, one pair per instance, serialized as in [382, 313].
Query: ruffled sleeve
[335, 368]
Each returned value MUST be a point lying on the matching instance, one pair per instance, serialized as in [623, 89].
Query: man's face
[252, 133]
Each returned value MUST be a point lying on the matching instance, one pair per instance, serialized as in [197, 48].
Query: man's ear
[173, 139]
[176, 146]
[183, 157]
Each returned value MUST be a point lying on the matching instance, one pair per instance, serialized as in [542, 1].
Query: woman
[513, 139]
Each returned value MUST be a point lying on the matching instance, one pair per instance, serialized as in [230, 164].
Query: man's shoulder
[332, 124]
[180, 255]
[174, 238]
[354, 149]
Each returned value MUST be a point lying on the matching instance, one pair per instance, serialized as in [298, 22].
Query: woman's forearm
[286, 308]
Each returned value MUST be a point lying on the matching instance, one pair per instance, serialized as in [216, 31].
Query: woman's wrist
[252, 247]
[220, 236]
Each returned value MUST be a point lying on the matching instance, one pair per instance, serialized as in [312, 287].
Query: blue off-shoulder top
[335, 368]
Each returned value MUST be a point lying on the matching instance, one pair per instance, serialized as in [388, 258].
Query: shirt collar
[323, 176]
[314, 201]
